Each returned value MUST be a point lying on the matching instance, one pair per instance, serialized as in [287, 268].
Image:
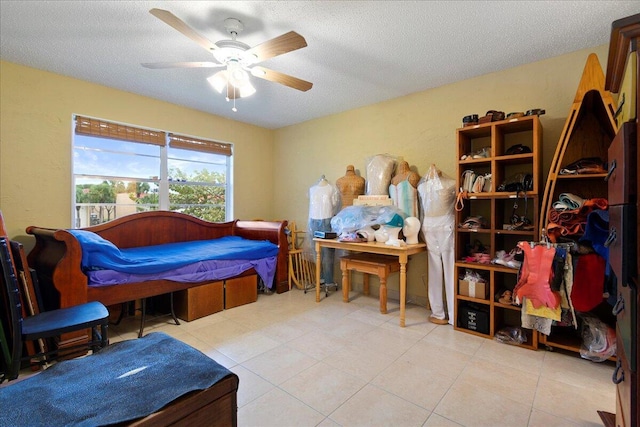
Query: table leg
[318, 269]
[346, 284]
[365, 284]
[403, 287]
[383, 294]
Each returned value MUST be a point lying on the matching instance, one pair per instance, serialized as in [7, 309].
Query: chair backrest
[11, 300]
[28, 278]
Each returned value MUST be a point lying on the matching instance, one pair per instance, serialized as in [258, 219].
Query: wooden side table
[366, 263]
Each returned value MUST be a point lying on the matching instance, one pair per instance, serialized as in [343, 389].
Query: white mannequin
[393, 239]
[411, 229]
[437, 195]
[324, 200]
[381, 234]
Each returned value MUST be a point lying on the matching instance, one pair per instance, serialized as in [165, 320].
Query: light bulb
[234, 109]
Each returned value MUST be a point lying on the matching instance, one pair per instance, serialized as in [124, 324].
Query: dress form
[437, 196]
[324, 201]
[403, 189]
[350, 186]
[379, 172]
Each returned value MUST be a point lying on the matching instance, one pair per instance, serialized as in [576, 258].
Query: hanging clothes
[588, 282]
[535, 276]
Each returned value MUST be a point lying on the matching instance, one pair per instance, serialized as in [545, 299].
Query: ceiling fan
[237, 58]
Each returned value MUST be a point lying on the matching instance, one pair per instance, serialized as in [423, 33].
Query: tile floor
[303, 363]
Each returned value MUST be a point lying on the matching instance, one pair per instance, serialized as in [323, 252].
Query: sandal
[474, 222]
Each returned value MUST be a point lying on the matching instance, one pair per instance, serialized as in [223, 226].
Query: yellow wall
[273, 169]
[36, 110]
[421, 128]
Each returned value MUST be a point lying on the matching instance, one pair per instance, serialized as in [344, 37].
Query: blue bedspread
[100, 254]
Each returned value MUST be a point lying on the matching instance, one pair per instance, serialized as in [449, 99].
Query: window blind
[94, 127]
[190, 143]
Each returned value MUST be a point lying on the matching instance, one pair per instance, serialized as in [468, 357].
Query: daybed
[58, 255]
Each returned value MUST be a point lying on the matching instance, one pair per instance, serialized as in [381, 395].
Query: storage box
[240, 291]
[194, 303]
[474, 319]
[473, 289]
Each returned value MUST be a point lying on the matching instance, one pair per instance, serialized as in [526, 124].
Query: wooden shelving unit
[497, 208]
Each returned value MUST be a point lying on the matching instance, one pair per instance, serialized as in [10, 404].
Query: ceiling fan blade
[156, 65]
[172, 20]
[277, 77]
[282, 44]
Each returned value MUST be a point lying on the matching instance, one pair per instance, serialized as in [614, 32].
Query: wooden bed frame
[57, 254]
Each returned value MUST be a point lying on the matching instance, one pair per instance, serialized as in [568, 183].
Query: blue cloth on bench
[124, 381]
[99, 253]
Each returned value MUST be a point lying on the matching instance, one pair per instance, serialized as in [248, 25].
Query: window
[120, 169]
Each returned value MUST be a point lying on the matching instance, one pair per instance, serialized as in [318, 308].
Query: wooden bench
[366, 263]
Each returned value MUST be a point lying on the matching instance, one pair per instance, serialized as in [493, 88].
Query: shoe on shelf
[438, 321]
[506, 298]
[507, 259]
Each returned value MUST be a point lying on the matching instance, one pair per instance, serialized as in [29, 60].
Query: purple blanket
[196, 272]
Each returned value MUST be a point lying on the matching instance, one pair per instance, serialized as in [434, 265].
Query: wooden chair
[17, 329]
[302, 267]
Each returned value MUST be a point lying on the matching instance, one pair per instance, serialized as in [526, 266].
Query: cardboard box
[473, 289]
[194, 303]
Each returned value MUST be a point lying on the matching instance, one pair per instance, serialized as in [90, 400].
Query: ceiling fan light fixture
[219, 80]
[247, 90]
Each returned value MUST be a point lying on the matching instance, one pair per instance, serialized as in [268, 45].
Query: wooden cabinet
[624, 158]
[240, 290]
[201, 301]
[194, 303]
[483, 149]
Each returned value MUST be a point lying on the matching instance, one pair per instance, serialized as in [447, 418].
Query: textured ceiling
[359, 52]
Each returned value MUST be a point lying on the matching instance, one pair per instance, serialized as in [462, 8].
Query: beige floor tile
[446, 336]
[578, 404]
[573, 370]
[328, 422]
[542, 419]
[440, 359]
[501, 380]
[387, 341]
[279, 364]
[221, 332]
[277, 408]
[416, 321]
[318, 344]
[514, 357]
[362, 362]
[251, 386]
[436, 420]
[323, 387]
[470, 405]
[417, 384]
[370, 315]
[350, 329]
[285, 331]
[247, 346]
[373, 406]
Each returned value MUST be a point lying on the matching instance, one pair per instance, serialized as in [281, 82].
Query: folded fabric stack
[568, 216]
